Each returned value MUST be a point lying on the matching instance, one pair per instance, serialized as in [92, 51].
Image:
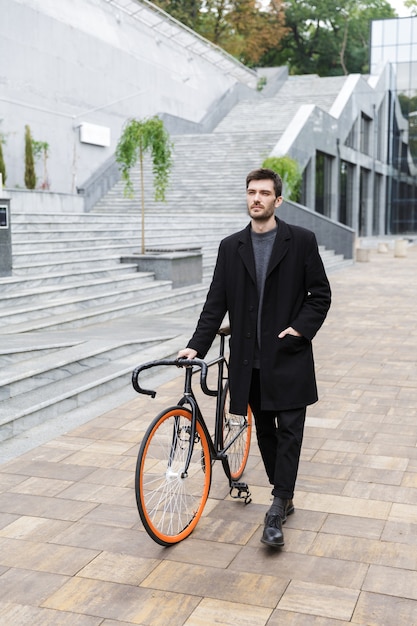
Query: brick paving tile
[73, 551]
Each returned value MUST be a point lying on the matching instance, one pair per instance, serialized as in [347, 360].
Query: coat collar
[279, 250]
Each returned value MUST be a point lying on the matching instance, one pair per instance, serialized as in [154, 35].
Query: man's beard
[261, 217]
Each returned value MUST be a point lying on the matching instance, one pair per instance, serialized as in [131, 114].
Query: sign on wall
[94, 134]
[4, 217]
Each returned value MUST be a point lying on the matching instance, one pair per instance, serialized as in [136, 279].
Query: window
[377, 204]
[346, 187]
[379, 154]
[323, 183]
[366, 125]
[363, 201]
[395, 41]
[305, 183]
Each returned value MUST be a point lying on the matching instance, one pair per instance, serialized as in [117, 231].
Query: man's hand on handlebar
[187, 353]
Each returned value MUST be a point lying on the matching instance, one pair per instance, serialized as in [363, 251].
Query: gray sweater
[262, 247]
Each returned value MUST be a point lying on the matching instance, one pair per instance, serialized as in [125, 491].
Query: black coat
[297, 294]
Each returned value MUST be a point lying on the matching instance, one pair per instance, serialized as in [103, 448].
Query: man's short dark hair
[266, 174]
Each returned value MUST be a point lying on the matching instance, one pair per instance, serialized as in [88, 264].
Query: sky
[398, 5]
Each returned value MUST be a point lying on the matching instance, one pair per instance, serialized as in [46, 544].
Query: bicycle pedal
[240, 491]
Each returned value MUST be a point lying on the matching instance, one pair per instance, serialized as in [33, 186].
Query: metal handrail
[186, 37]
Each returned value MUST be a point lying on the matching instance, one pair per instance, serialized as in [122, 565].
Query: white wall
[43, 203]
[64, 62]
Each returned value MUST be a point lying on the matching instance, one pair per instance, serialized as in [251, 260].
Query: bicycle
[174, 465]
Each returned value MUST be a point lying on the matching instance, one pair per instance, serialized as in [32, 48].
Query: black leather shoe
[272, 534]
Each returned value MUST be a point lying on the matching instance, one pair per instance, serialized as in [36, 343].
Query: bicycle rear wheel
[236, 432]
[169, 503]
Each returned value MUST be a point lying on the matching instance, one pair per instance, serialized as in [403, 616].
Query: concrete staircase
[274, 114]
[67, 271]
[75, 321]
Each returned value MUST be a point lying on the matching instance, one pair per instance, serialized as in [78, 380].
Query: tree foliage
[185, 11]
[290, 173]
[244, 28]
[138, 137]
[325, 37]
[328, 37]
[30, 174]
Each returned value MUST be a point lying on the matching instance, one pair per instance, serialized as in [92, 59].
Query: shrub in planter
[30, 174]
[290, 173]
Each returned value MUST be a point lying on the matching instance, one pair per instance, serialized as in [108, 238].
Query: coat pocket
[290, 344]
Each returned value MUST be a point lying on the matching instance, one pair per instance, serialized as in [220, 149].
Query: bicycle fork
[188, 398]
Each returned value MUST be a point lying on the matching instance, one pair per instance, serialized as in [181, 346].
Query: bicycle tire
[238, 452]
[169, 504]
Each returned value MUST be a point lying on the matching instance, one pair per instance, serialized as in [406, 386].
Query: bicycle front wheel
[235, 437]
[170, 502]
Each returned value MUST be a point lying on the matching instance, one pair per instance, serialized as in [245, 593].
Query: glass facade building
[394, 41]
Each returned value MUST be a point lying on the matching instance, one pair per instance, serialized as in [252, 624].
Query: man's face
[260, 196]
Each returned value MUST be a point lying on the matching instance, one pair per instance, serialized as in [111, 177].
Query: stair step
[54, 230]
[97, 314]
[11, 356]
[27, 221]
[37, 279]
[81, 306]
[197, 237]
[52, 246]
[65, 266]
[72, 289]
[27, 410]
[83, 253]
[25, 376]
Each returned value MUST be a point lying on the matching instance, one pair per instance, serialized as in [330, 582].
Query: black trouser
[280, 435]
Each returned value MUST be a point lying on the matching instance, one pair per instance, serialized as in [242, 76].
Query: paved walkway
[73, 552]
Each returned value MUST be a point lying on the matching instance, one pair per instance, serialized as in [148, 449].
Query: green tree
[252, 31]
[139, 136]
[185, 11]
[290, 173]
[244, 28]
[326, 37]
[30, 175]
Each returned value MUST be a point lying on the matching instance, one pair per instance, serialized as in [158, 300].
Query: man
[271, 281]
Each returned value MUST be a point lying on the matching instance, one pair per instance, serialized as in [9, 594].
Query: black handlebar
[182, 362]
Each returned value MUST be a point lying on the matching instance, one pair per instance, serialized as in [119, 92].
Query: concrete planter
[400, 248]
[182, 266]
[362, 255]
